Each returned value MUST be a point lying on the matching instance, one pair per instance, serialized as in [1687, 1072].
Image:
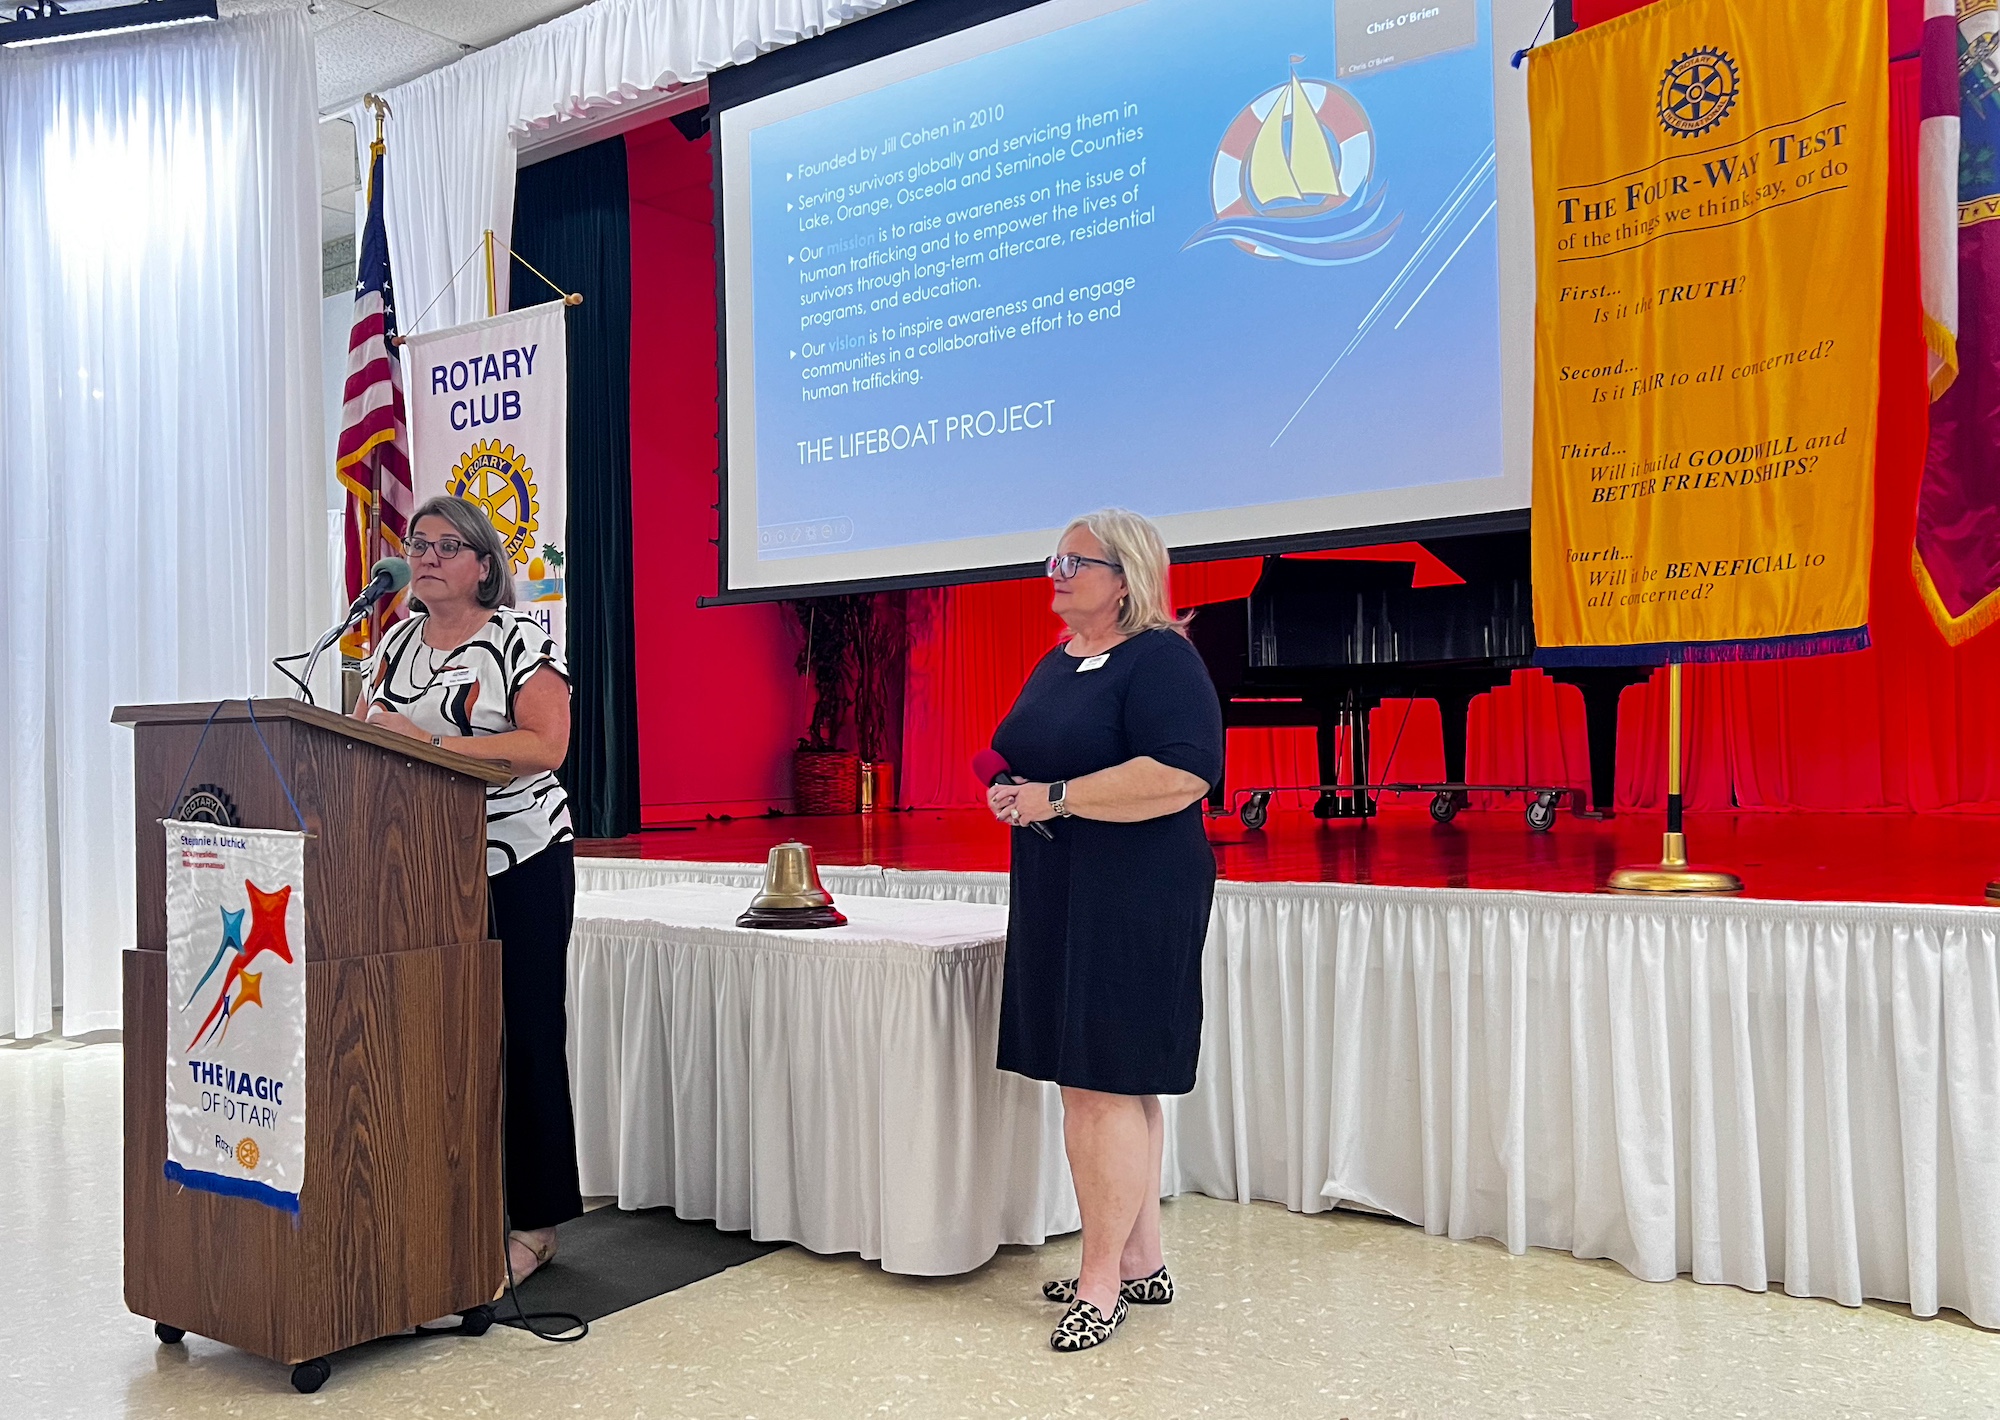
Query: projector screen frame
[875, 36]
[1430, 530]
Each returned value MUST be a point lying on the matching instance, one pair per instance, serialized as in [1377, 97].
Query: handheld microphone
[989, 767]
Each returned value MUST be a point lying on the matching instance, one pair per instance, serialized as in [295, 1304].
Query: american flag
[373, 459]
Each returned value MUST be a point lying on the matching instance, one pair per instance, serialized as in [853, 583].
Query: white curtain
[1750, 1093]
[164, 526]
[450, 136]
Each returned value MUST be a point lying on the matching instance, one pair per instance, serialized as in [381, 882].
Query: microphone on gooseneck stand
[989, 767]
[387, 577]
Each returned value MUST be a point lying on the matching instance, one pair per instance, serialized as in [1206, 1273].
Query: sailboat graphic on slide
[1293, 178]
[1292, 161]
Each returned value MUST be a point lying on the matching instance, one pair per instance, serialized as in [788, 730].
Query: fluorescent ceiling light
[57, 24]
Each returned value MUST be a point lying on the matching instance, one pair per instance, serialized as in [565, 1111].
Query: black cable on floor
[527, 1319]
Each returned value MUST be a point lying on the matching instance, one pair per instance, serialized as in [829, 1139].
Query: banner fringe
[1943, 346]
[1698, 653]
[1956, 630]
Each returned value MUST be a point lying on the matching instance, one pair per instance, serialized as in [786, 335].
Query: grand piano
[1321, 643]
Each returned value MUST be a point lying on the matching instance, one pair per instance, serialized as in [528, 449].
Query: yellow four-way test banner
[1709, 212]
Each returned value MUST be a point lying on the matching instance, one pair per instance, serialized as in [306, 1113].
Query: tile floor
[1279, 1316]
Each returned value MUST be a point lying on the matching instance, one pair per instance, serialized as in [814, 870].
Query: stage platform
[1942, 859]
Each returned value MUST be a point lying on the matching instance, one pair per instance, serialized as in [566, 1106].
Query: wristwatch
[1058, 798]
[437, 741]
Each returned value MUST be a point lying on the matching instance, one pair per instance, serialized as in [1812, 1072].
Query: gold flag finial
[378, 106]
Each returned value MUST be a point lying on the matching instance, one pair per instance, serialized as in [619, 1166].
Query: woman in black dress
[1119, 734]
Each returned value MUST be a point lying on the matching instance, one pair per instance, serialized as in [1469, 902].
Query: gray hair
[475, 530]
[1141, 553]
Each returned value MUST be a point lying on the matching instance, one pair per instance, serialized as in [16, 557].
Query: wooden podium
[400, 1213]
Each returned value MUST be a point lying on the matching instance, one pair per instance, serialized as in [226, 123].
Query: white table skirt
[1750, 1092]
[834, 1088]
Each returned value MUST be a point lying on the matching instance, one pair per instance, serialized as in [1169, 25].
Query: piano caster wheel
[1326, 806]
[1542, 813]
[309, 1376]
[1256, 811]
[1444, 806]
[169, 1335]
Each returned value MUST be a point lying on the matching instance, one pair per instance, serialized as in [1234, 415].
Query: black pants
[532, 906]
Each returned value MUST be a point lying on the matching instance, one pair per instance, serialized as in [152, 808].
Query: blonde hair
[1141, 554]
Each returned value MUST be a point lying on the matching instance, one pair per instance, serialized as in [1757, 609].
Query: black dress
[1105, 924]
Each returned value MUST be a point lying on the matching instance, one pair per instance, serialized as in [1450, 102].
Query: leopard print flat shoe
[1155, 1289]
[1084, 1326]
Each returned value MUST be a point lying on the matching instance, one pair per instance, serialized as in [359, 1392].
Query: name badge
[1092, 663]
[457, 675]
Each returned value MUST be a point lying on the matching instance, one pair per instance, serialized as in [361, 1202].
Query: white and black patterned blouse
[470, 690]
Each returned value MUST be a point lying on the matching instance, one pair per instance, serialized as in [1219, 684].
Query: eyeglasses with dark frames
[1065, 565]
[445, 547]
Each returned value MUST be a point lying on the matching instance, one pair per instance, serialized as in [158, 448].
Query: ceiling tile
[320, 14]
[476, 22]
[368, 52]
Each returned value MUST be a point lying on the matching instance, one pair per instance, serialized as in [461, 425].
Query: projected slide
[1233, 265]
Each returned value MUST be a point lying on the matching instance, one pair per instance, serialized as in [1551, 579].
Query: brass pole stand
[1672, 875]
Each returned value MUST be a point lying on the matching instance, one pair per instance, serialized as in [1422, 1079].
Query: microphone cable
[278, 663]
[527, 1319]
[471, 1326]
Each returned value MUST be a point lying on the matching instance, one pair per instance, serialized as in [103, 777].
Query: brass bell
[792, 896]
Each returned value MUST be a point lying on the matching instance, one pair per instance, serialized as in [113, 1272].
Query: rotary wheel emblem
[501, 483]
[208, 803]
[1698, 92]
[247, 1153]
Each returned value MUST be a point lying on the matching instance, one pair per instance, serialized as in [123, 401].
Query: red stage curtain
[720, 706]
[971, 647]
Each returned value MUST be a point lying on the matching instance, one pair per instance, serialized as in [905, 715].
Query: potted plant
[878, 640]
[825, 778]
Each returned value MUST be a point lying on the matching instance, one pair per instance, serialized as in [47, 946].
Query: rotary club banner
[1709, 216]
[236, 1011]
[489, 421]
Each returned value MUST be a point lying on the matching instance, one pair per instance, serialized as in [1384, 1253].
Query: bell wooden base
[787, 918]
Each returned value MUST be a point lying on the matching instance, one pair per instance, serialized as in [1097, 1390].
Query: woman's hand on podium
[390, 720]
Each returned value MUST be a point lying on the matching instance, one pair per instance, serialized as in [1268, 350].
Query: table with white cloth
[834, 1088]
[1753, 1093]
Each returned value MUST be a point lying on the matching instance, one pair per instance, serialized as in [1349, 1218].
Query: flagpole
[375, 548]
[492, 290]
[1671, 874]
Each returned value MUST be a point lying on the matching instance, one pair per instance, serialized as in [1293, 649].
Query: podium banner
[1710, 202]
[489, 421]
[236, 1011]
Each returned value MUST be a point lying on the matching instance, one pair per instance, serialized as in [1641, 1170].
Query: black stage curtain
[571, 223]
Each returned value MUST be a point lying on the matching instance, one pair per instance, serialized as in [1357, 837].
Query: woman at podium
[469, 672]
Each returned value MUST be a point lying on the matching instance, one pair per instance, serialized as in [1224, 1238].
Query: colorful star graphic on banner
[232, 941]
[267, 934]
